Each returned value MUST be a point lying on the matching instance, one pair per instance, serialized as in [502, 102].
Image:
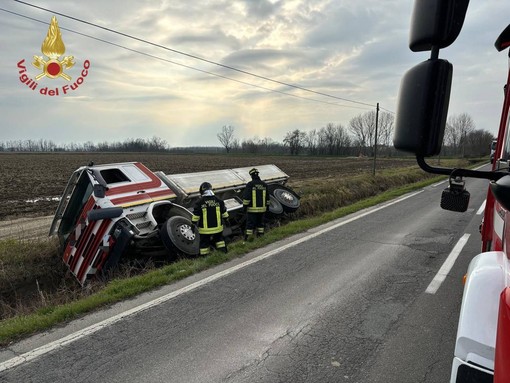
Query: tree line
[360, 137]
[154, 144]
[363, 134]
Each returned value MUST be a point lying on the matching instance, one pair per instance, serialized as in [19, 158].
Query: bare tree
[333, 139]
[363, 129]
[342, 139]
[250, 145]
[358, 129]
[386, 126]
[458, 128]
[478, 143]
[157, 144]
[295, 140]
[328, 134]
[312, 141]
[226, 137]
[235, 144]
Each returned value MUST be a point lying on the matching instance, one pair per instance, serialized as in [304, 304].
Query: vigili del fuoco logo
[53, 65]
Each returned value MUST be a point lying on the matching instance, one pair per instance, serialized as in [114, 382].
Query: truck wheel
[179, 237]
[287, 198]
[274, 206]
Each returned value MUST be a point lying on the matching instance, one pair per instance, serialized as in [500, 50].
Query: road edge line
[59, 343]
[447, 265]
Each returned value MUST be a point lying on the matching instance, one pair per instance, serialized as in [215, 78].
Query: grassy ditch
[38, 265]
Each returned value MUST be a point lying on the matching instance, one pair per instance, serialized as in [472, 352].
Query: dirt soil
[31, 183]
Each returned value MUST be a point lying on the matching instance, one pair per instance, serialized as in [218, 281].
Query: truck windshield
[76, 198]
[506, 143]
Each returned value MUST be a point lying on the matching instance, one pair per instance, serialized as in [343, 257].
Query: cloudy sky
[354, 51]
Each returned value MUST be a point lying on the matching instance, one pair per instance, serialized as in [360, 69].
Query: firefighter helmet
[253, 172]
[205, 186]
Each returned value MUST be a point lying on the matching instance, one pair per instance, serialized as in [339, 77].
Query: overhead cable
[185, 66]
[190, 55]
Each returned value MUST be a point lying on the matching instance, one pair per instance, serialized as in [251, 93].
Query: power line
[183, 65]
[387, 110]
[190, 55]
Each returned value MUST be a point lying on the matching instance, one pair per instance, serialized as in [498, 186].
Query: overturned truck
[107, 211]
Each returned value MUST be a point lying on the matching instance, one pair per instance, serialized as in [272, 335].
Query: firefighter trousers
[209, 240]
[254, 224]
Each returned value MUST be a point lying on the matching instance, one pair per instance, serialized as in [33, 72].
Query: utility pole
[375, 142]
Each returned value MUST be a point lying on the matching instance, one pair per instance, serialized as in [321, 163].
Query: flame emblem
[53, 47]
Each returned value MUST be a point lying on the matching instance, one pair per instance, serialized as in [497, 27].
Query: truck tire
[179, 237]
[285, 196]
[274, 206]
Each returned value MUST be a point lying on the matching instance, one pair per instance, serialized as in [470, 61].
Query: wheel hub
[187, 232]
[287, 196]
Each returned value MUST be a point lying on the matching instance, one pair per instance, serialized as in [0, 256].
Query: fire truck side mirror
[503, 40]
[422, 108]
[99, 191]
[436, 23]
[501, 191]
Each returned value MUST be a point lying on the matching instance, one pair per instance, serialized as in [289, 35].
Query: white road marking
[438, 183]
[33, 354]
[447, 265]
[482, 208]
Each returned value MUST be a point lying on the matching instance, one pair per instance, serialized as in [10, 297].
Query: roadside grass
[321, 204]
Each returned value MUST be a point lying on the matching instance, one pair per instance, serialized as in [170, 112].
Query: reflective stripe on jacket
[208, 214]
[256, 196]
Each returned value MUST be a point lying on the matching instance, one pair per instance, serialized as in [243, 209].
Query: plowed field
[31, 183]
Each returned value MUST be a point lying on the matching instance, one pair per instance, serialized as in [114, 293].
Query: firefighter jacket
[256, 196]
[208, 214]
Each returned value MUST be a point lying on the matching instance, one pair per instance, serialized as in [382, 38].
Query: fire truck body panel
[488, 274]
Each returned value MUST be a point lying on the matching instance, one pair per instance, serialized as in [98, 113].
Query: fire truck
[108, 211]
[482, 349]
[494, 143]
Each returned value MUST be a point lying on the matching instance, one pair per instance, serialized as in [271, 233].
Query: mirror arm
[434, 53]
[493, 176]
[431, 169]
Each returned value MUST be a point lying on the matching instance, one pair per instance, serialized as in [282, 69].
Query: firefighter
[208, 214]
[255, 202]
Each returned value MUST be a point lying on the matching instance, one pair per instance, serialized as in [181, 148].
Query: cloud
[351, 50]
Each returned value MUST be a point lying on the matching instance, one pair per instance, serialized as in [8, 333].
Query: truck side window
[112, 176]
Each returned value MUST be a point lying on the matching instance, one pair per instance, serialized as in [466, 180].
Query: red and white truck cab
[482, 349]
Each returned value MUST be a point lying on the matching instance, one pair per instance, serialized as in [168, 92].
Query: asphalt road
[347, 303]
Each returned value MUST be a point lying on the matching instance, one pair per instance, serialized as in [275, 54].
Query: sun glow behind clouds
[354, 50]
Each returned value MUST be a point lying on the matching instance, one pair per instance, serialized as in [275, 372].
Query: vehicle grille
[143, 225]
[135, 215]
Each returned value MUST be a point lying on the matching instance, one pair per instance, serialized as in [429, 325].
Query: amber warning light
[53, 65]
